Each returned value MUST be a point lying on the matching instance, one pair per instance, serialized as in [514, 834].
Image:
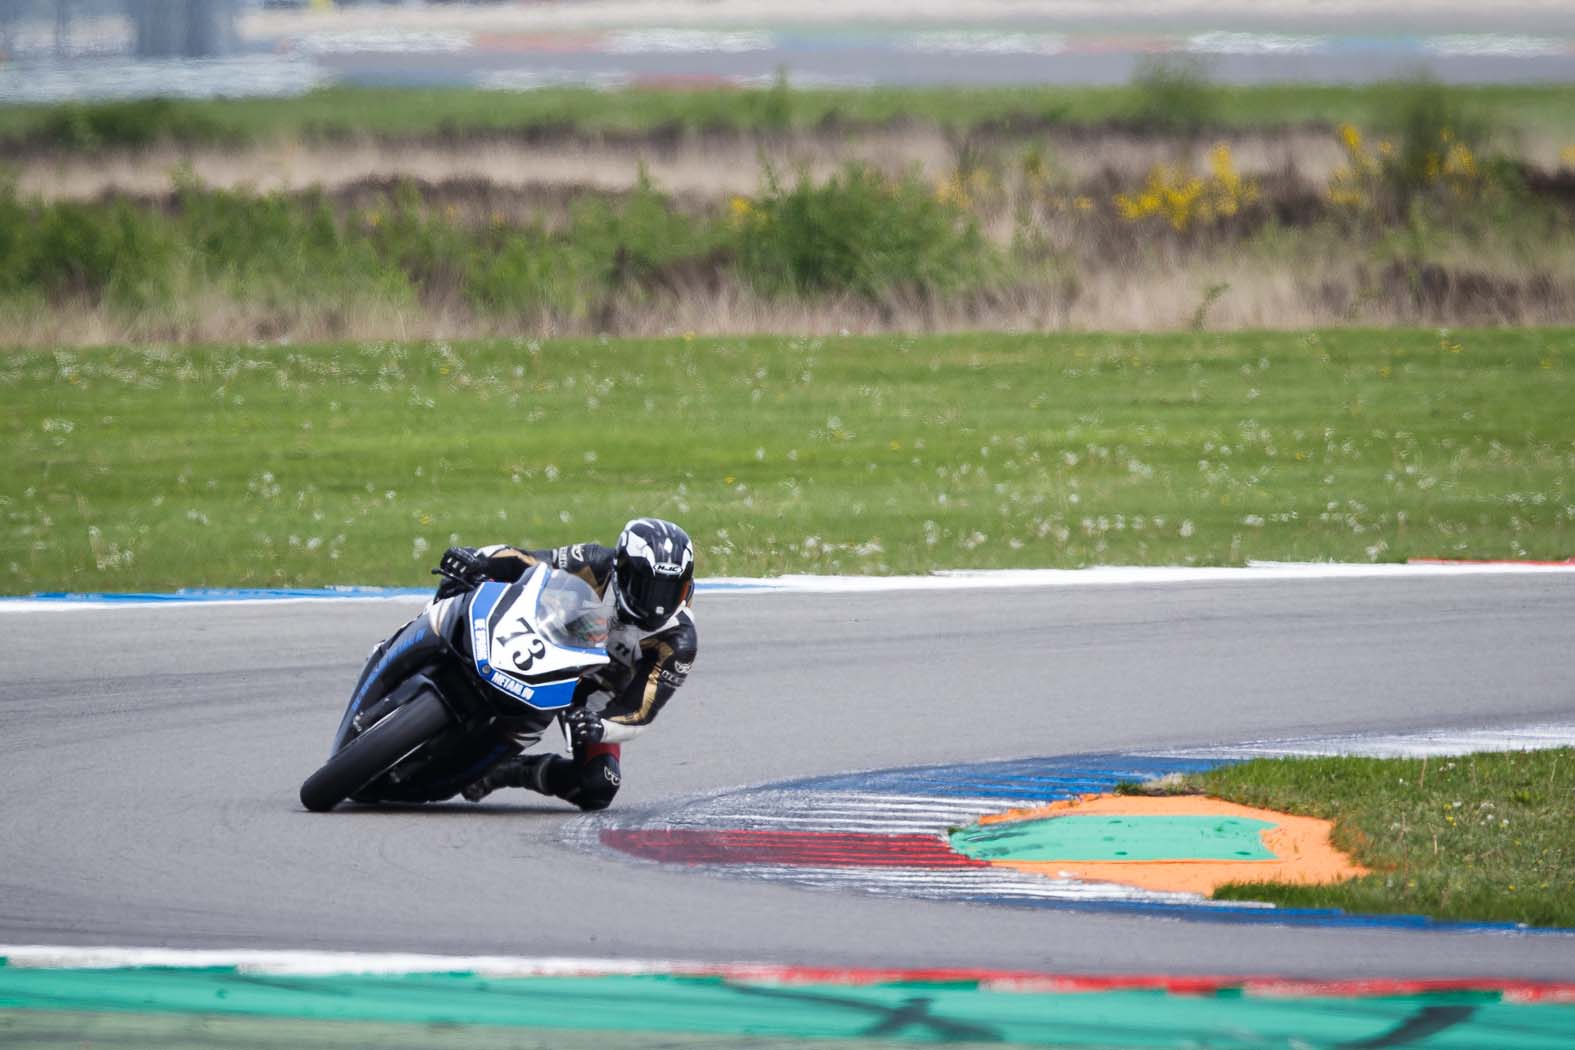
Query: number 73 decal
[528, 651]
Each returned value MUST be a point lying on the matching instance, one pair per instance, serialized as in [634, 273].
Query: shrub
[1429, 150]
[130, 124]
[522, 271]
[1173, 94]
[630, 243]
[859, 232]
[110, 251]
[277, 248]
[1435, 139]
[431, 254]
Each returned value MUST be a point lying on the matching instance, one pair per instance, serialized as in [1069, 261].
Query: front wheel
[374, 752]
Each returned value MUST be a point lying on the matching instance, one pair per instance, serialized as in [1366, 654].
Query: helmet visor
[650, 596]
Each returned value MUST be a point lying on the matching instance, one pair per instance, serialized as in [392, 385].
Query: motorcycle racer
[651, 642]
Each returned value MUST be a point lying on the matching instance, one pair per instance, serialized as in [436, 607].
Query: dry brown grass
[1222, 296]
[708, 164]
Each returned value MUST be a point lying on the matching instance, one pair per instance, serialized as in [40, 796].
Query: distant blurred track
[832, 56]
[150, 758]
[528, 47]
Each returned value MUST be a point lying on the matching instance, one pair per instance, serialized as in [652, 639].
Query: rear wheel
[374, 752]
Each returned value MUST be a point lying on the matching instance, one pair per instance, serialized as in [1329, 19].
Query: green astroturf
[222, 1009]
[1104, 838]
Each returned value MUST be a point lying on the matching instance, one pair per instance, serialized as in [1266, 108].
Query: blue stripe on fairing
[258, 594]
[388, 657]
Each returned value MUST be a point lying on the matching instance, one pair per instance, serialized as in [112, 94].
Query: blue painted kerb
[253, 594]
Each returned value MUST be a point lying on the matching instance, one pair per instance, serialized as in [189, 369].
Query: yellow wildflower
[1224, 168]
[951, 190]
[1459, 162]
[1185, 200]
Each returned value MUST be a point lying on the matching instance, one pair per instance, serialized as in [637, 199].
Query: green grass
[1482, 837]
[458, 112]
[157, 467]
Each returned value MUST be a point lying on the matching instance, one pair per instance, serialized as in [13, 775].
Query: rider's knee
[599, 782]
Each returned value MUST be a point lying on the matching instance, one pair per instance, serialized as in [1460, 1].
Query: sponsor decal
[681, 667]
[577, 552]
[512, 686]
[669, 568]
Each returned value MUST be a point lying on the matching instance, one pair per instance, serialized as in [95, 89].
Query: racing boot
[589, 781]
[523, 771]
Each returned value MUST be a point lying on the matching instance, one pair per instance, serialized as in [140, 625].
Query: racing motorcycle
[476, 678]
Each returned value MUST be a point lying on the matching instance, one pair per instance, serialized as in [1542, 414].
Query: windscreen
[569, 613]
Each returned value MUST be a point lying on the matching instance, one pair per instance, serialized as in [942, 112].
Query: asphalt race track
[150, 757]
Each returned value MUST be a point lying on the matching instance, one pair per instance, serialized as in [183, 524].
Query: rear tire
[374, 752]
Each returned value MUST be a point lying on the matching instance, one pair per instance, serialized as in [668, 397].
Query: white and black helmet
[653, 571]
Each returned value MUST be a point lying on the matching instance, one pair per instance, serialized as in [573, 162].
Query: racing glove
[461, 568]
[583, 726]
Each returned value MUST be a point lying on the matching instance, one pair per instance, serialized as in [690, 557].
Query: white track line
[321, 963]
[946, 580]
[1440, 743]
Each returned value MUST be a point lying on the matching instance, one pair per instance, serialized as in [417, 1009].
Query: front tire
[374, 752]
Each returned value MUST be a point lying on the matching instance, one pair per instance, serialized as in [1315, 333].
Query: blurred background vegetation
[756, 210]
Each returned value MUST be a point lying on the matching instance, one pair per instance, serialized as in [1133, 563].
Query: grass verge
[1479, 837]
[1150, 102]
[159, 467]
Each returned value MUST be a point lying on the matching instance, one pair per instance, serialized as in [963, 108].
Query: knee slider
[599, 782]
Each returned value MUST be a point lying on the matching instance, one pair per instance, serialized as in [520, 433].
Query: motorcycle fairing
[502, 629]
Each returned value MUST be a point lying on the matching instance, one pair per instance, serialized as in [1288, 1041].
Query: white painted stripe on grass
[945, 580]
[1429, 743]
